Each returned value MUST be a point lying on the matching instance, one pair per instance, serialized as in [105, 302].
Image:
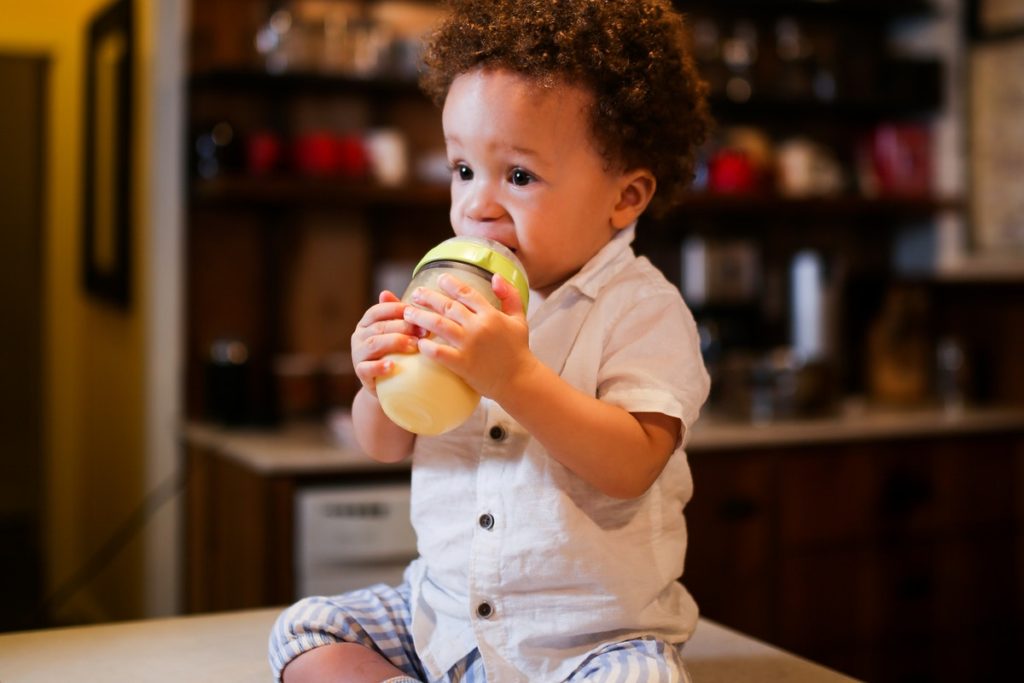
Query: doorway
[23, 118]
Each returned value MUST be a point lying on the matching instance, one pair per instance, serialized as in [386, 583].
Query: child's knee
[297, 629]
[301, 621]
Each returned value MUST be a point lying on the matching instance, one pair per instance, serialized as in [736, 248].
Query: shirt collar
[602, 267]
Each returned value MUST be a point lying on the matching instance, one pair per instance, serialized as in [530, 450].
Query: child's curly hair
[650, 109]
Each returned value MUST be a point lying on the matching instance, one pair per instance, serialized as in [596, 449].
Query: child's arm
[380, 332]
[378, 436]
[617, 452]
[588, 436]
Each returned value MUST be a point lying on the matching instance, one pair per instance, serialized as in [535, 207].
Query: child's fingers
[389, 326]
[463, 293]
[378, 345]
[387, 297]
[443, 353]
[370, 371]
[436, 304]
[390, 310]
[434, 323]
[508, 295]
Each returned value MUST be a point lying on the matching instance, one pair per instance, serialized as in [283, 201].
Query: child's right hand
[382, 330]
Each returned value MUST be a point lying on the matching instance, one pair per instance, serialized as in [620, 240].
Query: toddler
[550, 525]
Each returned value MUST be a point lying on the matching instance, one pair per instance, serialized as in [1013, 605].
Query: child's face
[526, 173]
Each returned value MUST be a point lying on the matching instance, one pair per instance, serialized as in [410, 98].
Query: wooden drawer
[981, 585]
[730, 518]
[826, 497]
[980, 656]
[238, 536]
[827, 600]
[922, 589]
[897, 491]
[987, 474]
[731, 565]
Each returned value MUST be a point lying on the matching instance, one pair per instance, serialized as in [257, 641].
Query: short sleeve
[651, 361]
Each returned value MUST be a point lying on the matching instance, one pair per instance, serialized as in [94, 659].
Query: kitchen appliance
[350, 537]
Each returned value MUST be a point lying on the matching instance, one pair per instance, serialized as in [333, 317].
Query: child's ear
[635, 191]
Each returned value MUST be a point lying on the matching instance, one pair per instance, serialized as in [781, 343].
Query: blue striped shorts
[379, 618]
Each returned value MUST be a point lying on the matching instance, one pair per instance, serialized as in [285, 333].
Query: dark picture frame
[107, 155]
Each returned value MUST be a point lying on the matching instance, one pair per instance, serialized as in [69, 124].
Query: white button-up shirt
[521, 558]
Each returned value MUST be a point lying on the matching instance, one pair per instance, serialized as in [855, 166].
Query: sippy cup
[421, 395]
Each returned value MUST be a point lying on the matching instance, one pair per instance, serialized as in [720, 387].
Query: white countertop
[231, 647]
[856, 424]
[313, 449]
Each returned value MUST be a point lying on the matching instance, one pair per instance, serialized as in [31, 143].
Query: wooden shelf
[761, 108]
[339, 192]
[303, 191]
[862, 10]
[841, 206]
[1001, 270]
[260, 82]
[898, 101]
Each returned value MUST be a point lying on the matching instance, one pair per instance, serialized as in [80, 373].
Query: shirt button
[484, 610]
[497, 433]
[487, 521]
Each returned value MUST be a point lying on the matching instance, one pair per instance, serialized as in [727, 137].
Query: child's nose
[483, 203]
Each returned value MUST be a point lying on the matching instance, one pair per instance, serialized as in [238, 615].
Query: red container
[731, 171]
[319, 153]
[263, 152]
[315, 153]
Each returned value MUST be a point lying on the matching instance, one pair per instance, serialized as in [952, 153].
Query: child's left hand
[484, 346]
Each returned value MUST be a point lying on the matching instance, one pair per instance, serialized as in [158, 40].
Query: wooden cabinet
[239, 536]
[891, 560]
[731, 523]
[240, 531]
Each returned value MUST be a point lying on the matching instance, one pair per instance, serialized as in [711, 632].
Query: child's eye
[464, 172]
[520, 177]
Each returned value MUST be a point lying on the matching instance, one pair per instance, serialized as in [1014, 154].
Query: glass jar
[421, 395]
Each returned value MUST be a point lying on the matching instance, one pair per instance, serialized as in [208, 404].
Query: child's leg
[641, 659]
[342, 663]
[376, 620]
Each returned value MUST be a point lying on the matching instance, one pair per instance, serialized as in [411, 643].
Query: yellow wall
[94, 356]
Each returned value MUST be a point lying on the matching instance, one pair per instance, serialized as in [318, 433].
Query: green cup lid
[492, 256]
